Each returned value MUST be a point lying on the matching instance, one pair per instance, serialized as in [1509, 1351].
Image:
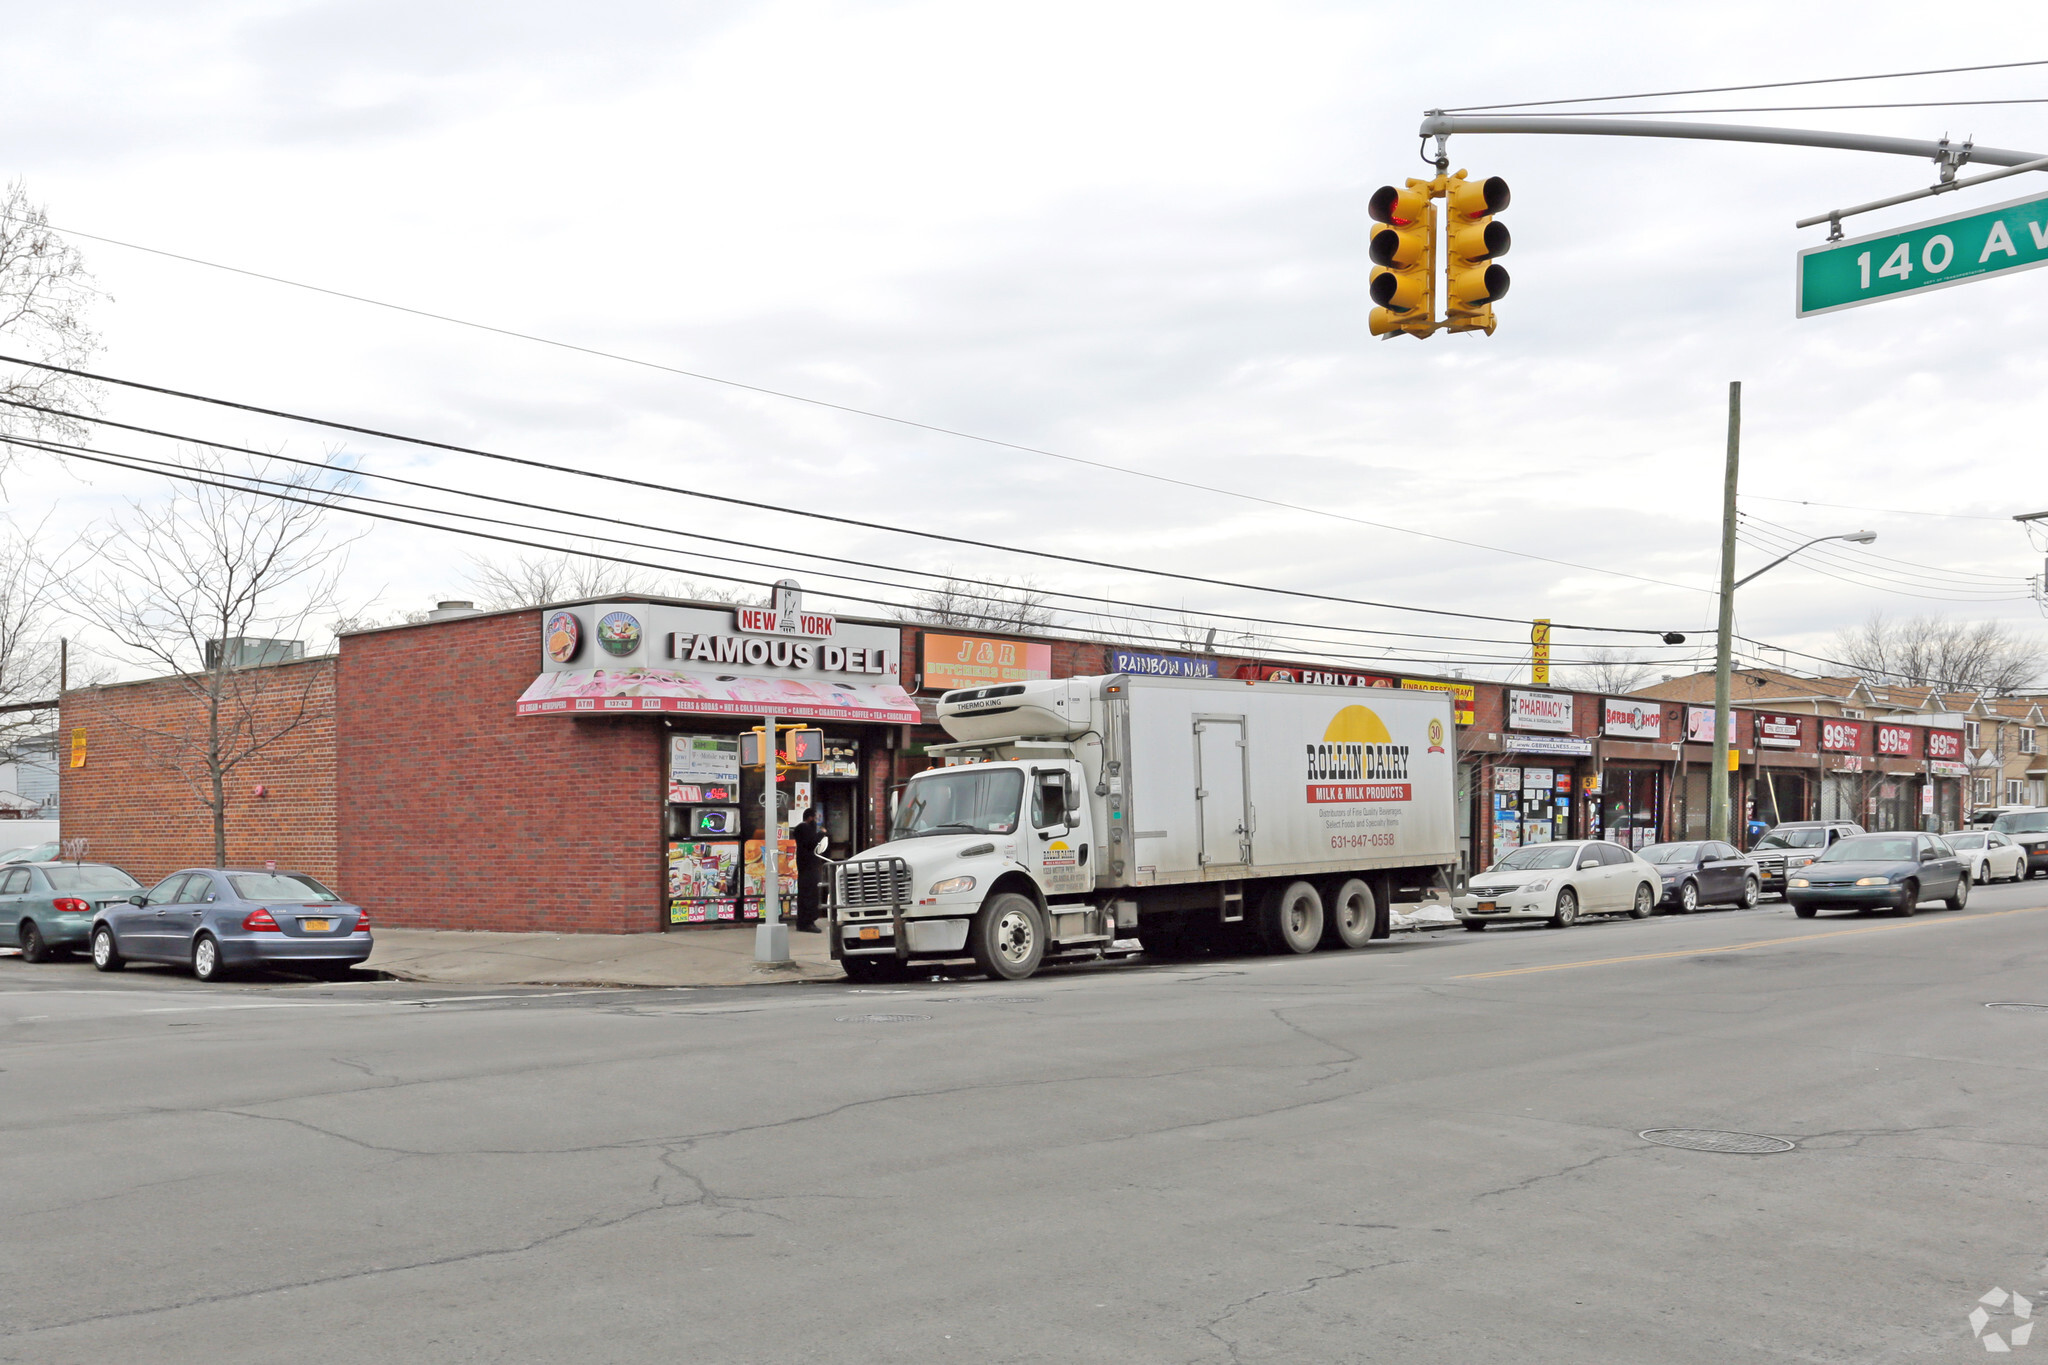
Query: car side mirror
[1590, 862]
[138, 900]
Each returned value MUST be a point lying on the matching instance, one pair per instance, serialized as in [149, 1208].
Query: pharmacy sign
[1933, 255]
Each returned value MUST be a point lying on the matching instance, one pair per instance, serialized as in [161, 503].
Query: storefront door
[1631, 799]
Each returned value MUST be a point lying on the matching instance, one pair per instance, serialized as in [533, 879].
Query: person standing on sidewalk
[808, 839]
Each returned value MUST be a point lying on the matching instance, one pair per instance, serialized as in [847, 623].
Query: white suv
[2029, 829]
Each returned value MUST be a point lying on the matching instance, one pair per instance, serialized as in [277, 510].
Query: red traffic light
[1399, 206]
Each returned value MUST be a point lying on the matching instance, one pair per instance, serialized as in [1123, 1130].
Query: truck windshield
[2024, 822]
[962, 801]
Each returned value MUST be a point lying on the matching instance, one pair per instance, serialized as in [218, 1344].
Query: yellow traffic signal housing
[1403, 253]
[1473, 275]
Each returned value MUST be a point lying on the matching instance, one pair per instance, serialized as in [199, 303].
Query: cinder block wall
[148, 820]
[458, 814]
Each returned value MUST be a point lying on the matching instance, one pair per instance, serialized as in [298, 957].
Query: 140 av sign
[1931, 255]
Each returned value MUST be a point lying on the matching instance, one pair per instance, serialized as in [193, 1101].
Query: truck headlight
[952, 886]
[1873, 881]
[1799, 862]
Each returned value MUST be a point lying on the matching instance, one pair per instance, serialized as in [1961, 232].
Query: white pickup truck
[1188, 812]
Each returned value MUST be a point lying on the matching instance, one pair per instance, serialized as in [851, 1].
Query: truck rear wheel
[1348, 918]
[1008, 937]
[1291, 918]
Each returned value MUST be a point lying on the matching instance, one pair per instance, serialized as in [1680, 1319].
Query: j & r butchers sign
[605, 634]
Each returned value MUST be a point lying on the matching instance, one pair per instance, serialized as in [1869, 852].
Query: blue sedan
[48, 908]
[1880, 871]
[217, 919]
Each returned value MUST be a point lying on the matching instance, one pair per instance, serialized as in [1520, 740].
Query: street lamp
[1717, 781]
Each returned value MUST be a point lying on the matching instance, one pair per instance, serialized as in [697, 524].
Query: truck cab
[1013, 838]
[993, 856]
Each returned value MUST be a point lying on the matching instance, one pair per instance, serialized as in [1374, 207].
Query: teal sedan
[47, 908]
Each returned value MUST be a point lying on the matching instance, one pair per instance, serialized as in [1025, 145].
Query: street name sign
[1933, 255]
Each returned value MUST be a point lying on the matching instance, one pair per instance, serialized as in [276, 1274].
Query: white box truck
[1189, 812]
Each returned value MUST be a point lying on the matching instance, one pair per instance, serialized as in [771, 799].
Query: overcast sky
[1128, 233]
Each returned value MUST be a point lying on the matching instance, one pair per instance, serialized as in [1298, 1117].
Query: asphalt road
[1427, 1151]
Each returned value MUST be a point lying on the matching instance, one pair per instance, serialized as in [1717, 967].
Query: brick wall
[457, 814]
[147, 819]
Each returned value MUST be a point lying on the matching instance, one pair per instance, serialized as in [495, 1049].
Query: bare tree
[28, 655]
[1611, 670]
[45, 291]
[536, 580]
[1943, 653]
[212, 587]
[1000, 605]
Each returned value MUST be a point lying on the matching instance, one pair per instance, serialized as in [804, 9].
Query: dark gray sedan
[216, 919]
[1704, 872]
[1880, 871]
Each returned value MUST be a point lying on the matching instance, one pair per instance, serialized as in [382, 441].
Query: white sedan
[1990, 856]
[1560, 882]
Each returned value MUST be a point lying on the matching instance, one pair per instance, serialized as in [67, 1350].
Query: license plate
[1486, 905]
[870, 934]
[316, 926]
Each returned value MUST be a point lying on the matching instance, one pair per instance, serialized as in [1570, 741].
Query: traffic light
[1473, 275]
[1403, 253]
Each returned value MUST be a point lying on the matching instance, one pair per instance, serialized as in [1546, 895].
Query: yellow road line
[1756, 943]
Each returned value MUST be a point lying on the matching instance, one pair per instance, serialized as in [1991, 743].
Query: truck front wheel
[1291, 919]
[1008, 937]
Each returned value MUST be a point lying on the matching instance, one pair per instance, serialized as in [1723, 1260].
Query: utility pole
[1717, 780]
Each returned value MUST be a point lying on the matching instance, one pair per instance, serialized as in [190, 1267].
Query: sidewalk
[686, 957]
[692, 957]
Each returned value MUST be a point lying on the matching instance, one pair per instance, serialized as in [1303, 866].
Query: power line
[1901, 587]
[1858, 507]
[362, 472]
[869, 413]
[1882, 568]
[330, 496]
[799, 512]
[1795, 533]
[1730, 89]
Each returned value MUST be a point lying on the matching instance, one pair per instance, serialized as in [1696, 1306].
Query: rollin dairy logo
[1357, 760]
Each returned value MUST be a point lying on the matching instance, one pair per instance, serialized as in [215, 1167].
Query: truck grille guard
[869, 884]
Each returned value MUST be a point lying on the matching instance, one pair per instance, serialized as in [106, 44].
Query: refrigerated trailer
[1190, 813]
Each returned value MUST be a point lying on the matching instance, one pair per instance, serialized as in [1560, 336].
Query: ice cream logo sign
[1358, 761]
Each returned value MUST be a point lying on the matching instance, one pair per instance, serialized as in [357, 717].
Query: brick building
[576, 767]
[131, 782]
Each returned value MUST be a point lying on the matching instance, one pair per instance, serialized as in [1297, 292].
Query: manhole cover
[1707, 1140]
[2016, 1005]
[883, 1019]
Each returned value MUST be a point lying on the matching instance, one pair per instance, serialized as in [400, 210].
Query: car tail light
[70, 905]
[259, 919]
[362, 920]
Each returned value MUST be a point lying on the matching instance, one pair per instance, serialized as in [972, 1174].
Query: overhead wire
[1731, 89]
[1890, 511]
[1751, 519]
[1882, 572]
[331, 498]
[868, 413]
[785, 510]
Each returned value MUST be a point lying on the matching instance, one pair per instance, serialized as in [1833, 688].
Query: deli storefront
[700, 676]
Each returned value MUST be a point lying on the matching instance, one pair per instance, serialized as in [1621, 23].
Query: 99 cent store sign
[1998, 240]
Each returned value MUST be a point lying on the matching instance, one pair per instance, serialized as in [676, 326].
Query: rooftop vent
[450, 611]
